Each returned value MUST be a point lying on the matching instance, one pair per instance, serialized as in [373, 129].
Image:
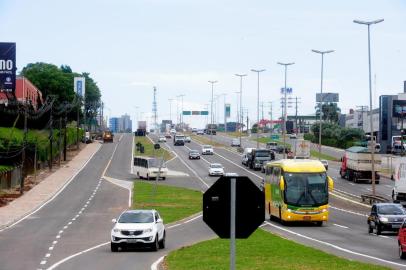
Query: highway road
[72, 231]
[346, 232]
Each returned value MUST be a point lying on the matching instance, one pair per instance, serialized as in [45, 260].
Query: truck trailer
[356, 165]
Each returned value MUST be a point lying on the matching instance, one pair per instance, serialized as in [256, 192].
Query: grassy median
[262, 250]
[149, 149]
[173, 203]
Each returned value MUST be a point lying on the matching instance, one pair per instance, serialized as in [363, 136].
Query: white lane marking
[58, 236]
[154, 266]
[50, 248]
[75, 255]
[190, 220]
[352, 184]
[109, 179]
[347, 193]
[55, 265]
[65, 227]
[389, 186]
[369, 189]
[238, 166]
[43, 262]
[335, 246]
[47, 255]
[54, 196]
[202, 158]
[54, 242]
[346, 199]
[60, 232]
[384, 236]
[194, 172]
[341, 226]
[348, 211]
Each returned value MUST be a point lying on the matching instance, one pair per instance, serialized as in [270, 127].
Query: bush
[335, 136]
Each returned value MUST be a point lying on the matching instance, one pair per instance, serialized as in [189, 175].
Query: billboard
[7, 67]
[327, 97]
[399, 108]
[79, 86]
[289, 90]
[195, 113]
[227, 110]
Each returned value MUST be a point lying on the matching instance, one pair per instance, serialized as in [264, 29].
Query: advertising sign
[399, 108]
[327, 97]
[288, 90]
[79, 86]
[7, 67]
[186, 113]
[227, 110]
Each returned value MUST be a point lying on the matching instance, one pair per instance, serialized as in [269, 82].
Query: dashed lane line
[335, 246]
[340, 226]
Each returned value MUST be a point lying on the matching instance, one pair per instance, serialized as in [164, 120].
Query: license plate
[396, 226]
[307, 218]
[132, 241]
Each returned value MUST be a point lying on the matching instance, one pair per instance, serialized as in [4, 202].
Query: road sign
[227, 110]
[249, 207]
[275, 137]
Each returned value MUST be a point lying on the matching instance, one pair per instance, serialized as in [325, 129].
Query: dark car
[386, 217]
[194, 154]
[280, 148]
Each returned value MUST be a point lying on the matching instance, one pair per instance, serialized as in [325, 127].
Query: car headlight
[383, 219]
[148, 230]
[116, 230]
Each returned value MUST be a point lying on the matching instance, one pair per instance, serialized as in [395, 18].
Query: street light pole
[241, 113]
[285, 108]
[321, 93]
[257, 71]
[170, 109]
[211, 111]
[370, 99]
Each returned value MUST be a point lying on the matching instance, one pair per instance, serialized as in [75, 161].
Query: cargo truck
[107, 136]
[356, 165]
[301, 149]
[141, 129]
[399, 190]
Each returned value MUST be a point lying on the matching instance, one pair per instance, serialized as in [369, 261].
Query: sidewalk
[46, 190]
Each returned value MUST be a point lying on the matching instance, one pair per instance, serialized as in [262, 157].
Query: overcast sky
[129, 46]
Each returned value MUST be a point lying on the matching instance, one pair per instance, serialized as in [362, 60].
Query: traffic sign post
[233, 207]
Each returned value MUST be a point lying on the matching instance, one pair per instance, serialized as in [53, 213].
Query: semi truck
[211, 129]
[141, 129]
[301, 149]
[356, 165]
[399, 190]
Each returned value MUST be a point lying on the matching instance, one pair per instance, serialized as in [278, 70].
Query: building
[25, 91]
[120, 124]
[301, 123]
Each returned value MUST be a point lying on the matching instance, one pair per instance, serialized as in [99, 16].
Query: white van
[399, 190]
[148, 168]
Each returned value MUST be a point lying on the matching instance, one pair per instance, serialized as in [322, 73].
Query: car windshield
[262, 154]
[391, 209]
[136, 217]
[306, 189]
[207, 146]
[216, 166]
[194, 152]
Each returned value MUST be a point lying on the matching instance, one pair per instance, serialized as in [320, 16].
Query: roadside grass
[234, 134]
[315, 154]
[173, 203]
[262, 250]
[267, 139]
[149, 149]
[204, 140]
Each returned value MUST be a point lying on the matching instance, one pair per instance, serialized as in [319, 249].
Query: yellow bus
[297, 190]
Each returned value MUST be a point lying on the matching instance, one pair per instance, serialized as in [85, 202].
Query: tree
[330, 112]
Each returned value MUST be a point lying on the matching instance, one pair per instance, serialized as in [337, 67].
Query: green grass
[315, 154]
[267, 139]
[149, 149]
[262, 250]
[235, 134]
[204, 140]
[173, 203]
[5, 168]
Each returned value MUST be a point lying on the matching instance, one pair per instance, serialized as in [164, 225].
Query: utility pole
[370, 100]
[64, 136]
[51, 135]
[241, 120]
[258, 71]
[24, 146]
[59, 142]
[77, 121]
[155, 111]
[211, 112]
[170, 109]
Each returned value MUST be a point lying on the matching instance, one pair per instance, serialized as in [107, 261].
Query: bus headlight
[324, 210]
[290, 211]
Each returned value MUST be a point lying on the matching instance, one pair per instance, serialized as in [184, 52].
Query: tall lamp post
[181, 113]
[258, 71]
[211, 111]
[321, 92]
[241, 114]
[285, 107]
[170, 109]
[369, 23]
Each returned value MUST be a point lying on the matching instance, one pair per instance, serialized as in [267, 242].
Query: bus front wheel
[319, 223]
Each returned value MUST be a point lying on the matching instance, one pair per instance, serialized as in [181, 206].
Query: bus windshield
[306, 189]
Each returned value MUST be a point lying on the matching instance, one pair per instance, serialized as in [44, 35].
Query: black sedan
[386, 217]
[280, 149]
[194, 154]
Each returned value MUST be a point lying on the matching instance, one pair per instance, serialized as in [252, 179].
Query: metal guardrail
[373, 198]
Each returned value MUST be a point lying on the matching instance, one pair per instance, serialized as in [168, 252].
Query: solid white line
[384, 236]
[347, 193]
[75, 255]
[190, 220]
[173, 226]
[54, 196]
[348, 211]
[132, 153]
[201, 156]
[352, 184]
[345, 199]
[335, 246]
[154, 266]
[341, 226]
[128, 188]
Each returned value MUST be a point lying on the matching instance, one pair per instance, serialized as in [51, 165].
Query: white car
[162, 139]
[138, 227]
[200, 132]
[216, 169]
[207, 150]
[235, 142]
